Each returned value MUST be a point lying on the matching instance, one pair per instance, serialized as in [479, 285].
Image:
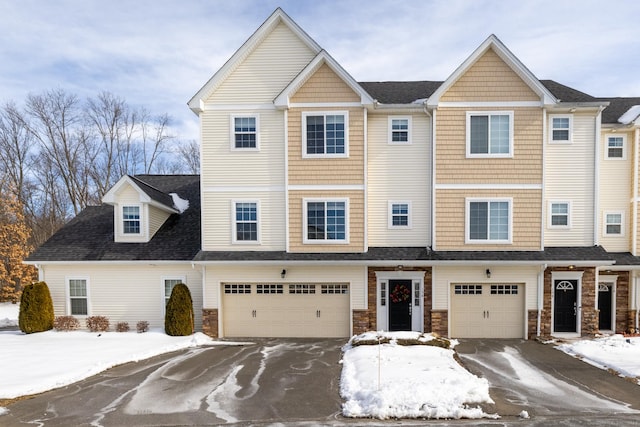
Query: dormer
[139, 209]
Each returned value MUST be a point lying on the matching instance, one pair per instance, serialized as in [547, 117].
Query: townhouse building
[491, 204]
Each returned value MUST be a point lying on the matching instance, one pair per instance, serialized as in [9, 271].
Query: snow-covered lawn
[8, 314]
[614, 352]
[413, 381]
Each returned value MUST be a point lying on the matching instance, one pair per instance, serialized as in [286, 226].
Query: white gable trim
[278, 16]
[111, 196]
[492, 42]
[283, 100]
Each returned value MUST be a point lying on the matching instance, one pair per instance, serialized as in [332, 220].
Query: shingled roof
[90, 236]
[617, 107]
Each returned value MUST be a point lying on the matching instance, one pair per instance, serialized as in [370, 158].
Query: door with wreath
[399, 305]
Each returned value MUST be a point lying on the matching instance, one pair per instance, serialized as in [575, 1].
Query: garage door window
[302, 289]
[504, 289]
[237, 289]
[335, 289]
[269, 289]
[468, 289]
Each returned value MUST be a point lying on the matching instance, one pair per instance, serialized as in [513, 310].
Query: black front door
[399, 305]
[604, 306]
[565, 310]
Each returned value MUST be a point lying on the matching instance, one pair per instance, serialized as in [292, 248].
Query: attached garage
[298, 310]
[487, 310]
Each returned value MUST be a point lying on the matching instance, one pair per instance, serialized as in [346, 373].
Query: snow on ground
[613, 352]
[415, 381]
[8, 314]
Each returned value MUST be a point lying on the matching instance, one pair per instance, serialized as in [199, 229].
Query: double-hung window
[78, 297]
[616, 147]
[168, 288]
[399, 130]
[326, 221]
[490, 134]
[245, 222]
[399, 215]
[559, 215]
[613, 223]
[325, 134]
[244, 132]
[131, 219]
[561, 128]
[488, 220]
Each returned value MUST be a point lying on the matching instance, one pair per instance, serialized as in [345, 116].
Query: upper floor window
[131, 219]
[78, 297]
[561, 128]
[559, 215]
[325, 134]
[616, 147]
[244, 132]
[168, 288]
[246, 222]
[399, 130]
[488, 221]
[490, 134]
[613, 223]
[326, 221]
[399, 214]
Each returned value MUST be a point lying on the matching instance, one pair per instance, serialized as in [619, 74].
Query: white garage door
[487, 310]
[286, 310]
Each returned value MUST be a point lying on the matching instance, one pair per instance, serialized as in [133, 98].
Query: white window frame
[488, 241]
[306, 114]
[552, 128]
[624, 146]
[390, 130]
[232, 132]
[550, 214]
[306, 240]
[605, 223]
[67, 281]
[234, 233]
[489, 114]
[390, 214]
[163, 290]
[122, 220]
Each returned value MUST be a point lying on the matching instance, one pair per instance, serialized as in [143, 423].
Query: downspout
[286, 180]
[634, 199]
[540, 297]
[433, 179]
[543, 207]
[596, 172]
[365, 171]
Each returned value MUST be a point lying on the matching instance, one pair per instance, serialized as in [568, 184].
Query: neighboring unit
[490, 205]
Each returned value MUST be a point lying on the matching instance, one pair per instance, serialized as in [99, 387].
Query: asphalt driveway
[268, 381]
[549, 384]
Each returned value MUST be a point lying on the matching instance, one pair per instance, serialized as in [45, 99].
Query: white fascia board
[196, 103]
[407, 263]
[110, 196]
[282, 100]
[492, 42]
[110, 262]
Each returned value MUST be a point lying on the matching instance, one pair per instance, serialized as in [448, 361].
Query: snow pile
[9, 314]
[415, 381]
[43, 361]
[613, 352]
[180, 204]
[631, 115]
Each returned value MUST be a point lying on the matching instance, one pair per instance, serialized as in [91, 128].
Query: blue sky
[158, 53]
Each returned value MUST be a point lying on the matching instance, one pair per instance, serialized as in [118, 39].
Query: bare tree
[189, 156]
[16, 150]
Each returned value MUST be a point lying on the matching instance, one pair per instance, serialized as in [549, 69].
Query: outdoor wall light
[488, 273]
[283, 273]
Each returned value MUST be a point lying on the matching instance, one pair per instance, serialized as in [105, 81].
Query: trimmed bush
[36, 309]
[97, 324]
[66, 323]
[122, 327]
[142, 326]
[178, 320]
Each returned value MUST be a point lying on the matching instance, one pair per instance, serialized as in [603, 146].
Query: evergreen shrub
[36, 309]
[178, 320]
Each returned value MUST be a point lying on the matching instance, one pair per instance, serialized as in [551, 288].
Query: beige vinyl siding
[399, 172]
[157, 217]
[489, 79]
[217, 220]
[242, 168]
[124, 292]
[299, 273]
[453, 167]
[451, 226]
[314, 171]
[325, 86]
[356, 221]
[569, 176]
[615, 193]
[444, 276]
[128, 196]
[264, 73]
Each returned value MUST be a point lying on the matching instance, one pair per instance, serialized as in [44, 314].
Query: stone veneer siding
[361, 322]
[440, 322]
[622, 302]
[532, 324]
[210, 322]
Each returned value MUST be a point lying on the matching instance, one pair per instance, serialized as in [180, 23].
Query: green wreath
[400, 293]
